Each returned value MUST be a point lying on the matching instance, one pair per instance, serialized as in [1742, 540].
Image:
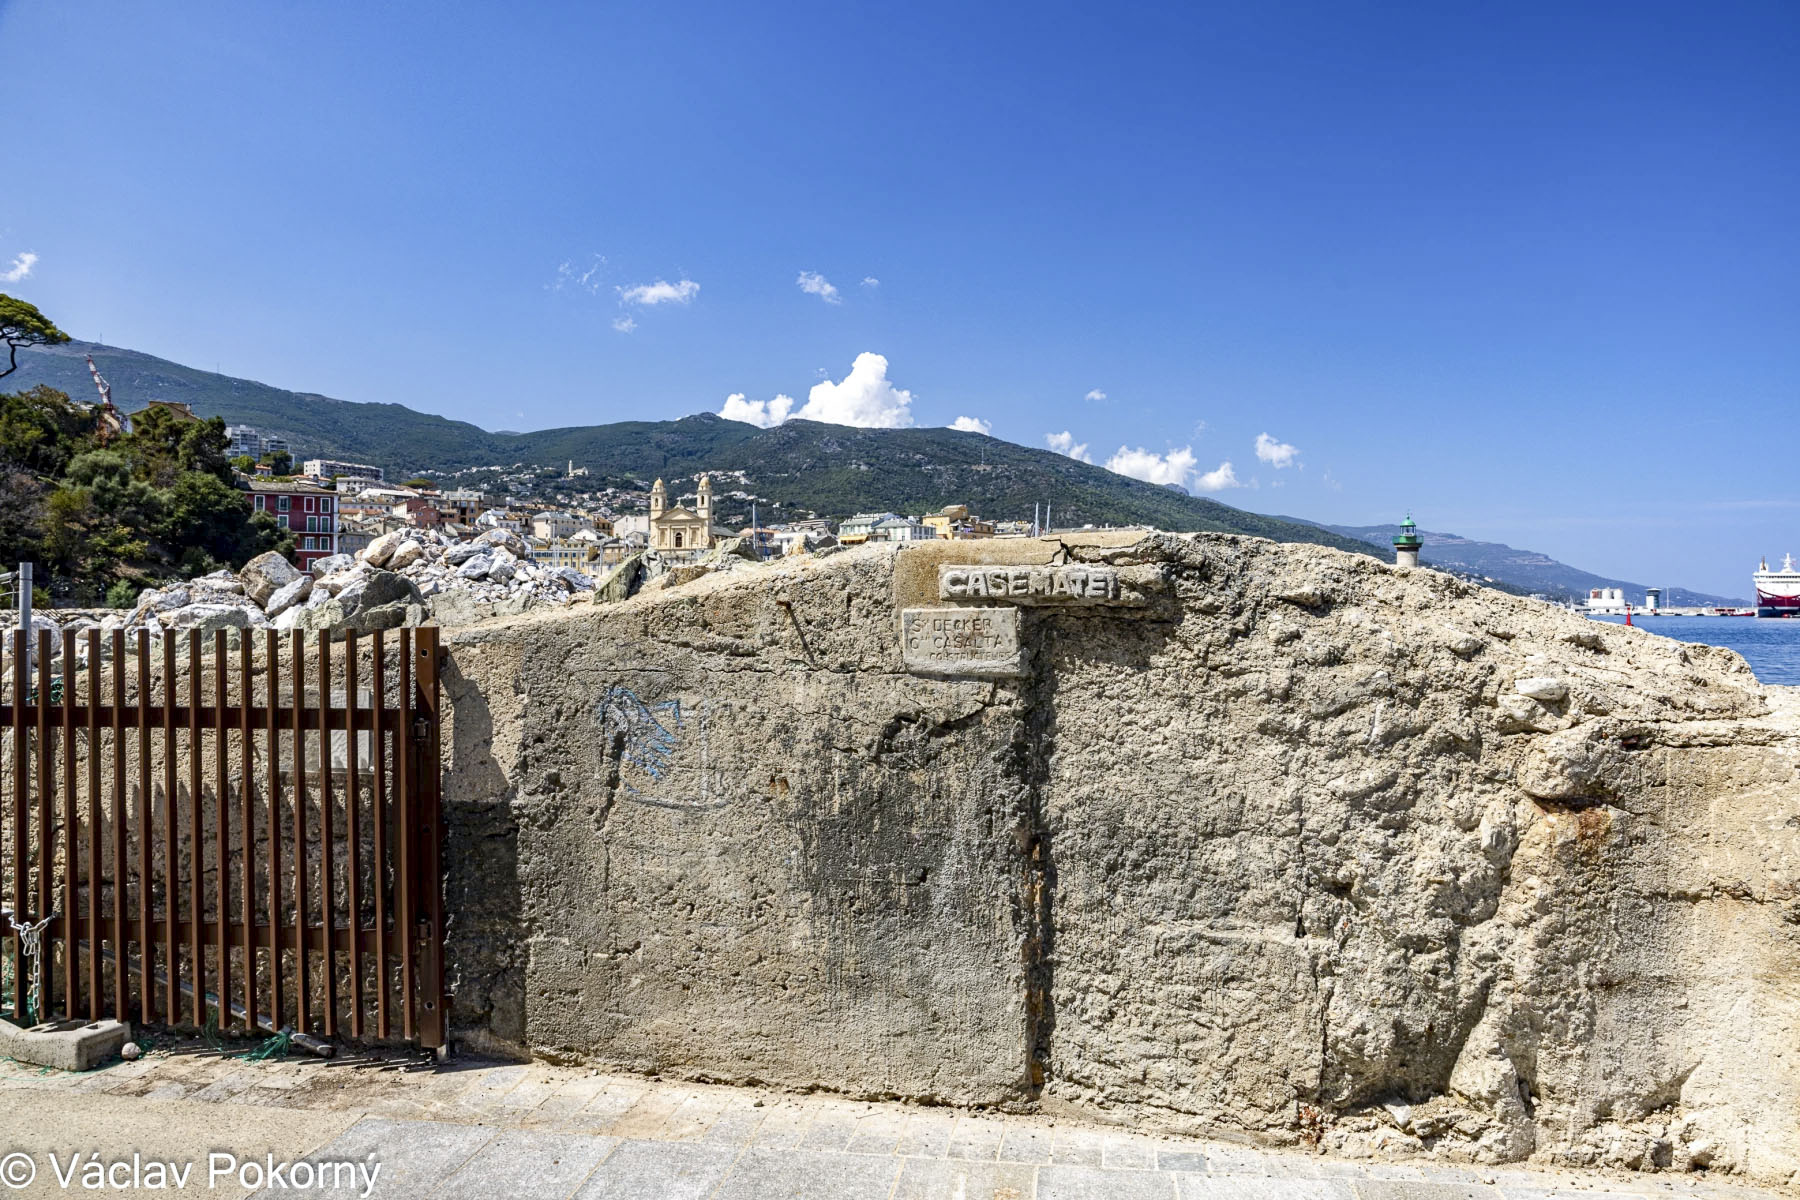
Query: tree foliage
[103, 520]
[165, 445]
[21, 324]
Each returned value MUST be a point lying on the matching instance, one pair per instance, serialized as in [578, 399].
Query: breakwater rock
[1218, 831]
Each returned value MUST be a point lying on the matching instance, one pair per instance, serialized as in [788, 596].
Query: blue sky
[1529, 270]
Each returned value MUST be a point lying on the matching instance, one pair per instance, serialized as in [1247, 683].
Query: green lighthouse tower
[1406, 545]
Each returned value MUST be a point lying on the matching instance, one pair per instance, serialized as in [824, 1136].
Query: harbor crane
[111, 420]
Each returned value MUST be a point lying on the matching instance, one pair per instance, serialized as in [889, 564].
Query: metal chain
[31, 946]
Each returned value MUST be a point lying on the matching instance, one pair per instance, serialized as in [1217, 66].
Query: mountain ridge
[1528, 569]
[830, 470]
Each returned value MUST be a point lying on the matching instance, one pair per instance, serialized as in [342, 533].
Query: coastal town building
[762, 540]
[954, 521]
[580, 550]
[420, 511]
[355, 535]
[243, 439]
[861, 527]
[555, 524]
[901, 529]
[794, 539]
[309, 512]
[503, 518]
[1606, 601]
[464, 505]
[615, 550]
[679, 529]
[331, 468]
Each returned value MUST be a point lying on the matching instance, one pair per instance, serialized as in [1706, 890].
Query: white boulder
[507, 538]
[209, 617]
[265, 575]
[379, 551]
[406, 554]
[287, 597]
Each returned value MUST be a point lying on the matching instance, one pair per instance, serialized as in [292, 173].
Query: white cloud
[1217, 480]
[21, 267]
[1276, 454]
[972, 425]
[865, 398]
[1065, 443]
[1096, 396]
[761, 413]
[815, 284]
[660, 292]
[1173, 467]
[869, 281]
[624, 324]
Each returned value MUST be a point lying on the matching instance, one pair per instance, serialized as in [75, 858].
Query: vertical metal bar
[146, 833]
[222, 830]
[247, 794]
[171, 890]
[302, 988]
[196, 846]
[353, 835]
[403, 839]
[71, 795]
[379, 877]
[430, 826]
[120, 873]
[272, 647]
[95, 808]
[19, 832]
[46, 801]
[327, 874]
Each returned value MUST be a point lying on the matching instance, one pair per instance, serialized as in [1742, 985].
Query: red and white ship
[1778, 592]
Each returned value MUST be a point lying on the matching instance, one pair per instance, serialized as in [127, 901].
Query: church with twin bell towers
[680, 530]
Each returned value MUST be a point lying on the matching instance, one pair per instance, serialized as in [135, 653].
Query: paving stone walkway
[481, 1131]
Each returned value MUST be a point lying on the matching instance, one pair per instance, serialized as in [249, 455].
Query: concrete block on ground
[64, 1045]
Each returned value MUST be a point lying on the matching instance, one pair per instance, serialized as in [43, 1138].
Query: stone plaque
[962, 641]
[1074, 584]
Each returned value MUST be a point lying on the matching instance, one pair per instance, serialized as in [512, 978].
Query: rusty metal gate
[261, 853]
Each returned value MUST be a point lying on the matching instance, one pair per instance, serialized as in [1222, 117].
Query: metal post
[25, 617]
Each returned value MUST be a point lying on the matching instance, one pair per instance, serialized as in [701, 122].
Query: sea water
[1770, 645]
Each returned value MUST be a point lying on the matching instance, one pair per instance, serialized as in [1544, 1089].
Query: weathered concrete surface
[814, 880]
[63, 1045]
[1292, 843]
[473, 1130]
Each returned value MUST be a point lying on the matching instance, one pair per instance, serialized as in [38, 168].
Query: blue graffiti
[650, 734]
[649, 737]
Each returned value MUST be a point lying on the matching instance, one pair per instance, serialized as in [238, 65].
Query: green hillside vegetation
[100, 520]
[807, 467]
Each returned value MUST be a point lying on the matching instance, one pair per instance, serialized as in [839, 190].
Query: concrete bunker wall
[1270, 838]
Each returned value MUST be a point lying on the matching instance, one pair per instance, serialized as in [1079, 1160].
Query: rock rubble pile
[401, 580]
